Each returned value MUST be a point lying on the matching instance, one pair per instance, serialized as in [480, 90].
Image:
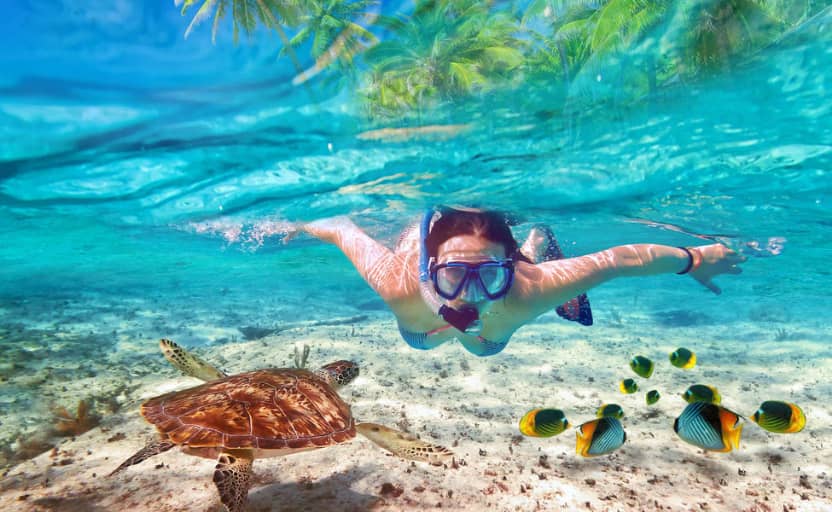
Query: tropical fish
[683, 358]
[543, 423]
[702, 393]
[628, 386]
[780, 417]
[709, 426]
[652, 396]
[599, 436]
[610, 411]
[642, 366]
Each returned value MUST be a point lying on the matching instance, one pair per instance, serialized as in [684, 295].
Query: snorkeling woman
[461, 274]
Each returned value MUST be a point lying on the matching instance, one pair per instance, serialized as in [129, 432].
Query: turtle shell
[269, 409]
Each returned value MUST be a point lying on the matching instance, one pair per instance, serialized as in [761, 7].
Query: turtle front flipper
[189, 364]
[232, 476]
[403, 444]
[151, 449]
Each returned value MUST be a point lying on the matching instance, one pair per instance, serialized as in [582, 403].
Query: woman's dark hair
[491, 225]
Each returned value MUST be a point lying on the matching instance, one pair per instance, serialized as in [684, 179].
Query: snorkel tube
[465, 319]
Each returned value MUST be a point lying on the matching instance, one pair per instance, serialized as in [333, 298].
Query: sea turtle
[263, 413]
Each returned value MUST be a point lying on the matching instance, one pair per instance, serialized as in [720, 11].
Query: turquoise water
[150, 176]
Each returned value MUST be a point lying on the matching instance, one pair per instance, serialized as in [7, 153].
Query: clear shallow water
[127, 169]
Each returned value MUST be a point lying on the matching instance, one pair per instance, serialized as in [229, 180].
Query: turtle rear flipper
[188, 363]
[403, 444]
[151, 449]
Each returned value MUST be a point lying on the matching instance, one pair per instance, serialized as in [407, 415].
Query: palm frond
[201, 15]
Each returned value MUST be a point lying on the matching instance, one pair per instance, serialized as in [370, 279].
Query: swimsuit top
[484, 348]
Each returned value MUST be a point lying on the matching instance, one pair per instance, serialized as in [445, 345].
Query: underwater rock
[251, 333]
[681, 318]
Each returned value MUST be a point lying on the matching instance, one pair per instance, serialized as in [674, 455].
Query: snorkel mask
[484, 280]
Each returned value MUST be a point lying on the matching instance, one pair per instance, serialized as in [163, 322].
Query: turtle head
[338, 373]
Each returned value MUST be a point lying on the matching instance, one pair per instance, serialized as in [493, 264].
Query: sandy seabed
[473, 406]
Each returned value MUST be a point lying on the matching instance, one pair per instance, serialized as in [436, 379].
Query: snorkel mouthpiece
[465, 319]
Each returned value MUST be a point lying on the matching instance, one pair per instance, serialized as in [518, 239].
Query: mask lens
[449, 280]
[494, 278]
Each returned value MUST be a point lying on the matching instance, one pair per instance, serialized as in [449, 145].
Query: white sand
[473, 405]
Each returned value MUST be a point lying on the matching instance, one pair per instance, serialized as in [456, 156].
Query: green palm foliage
[245, 14]
[586, 51]
[723, 29]
[581, 32]
[336, 34]
[444, 50]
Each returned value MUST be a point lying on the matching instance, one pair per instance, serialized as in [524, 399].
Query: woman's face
[470, 249]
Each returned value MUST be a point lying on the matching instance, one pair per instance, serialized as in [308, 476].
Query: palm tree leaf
[610, 21]
[187, 5]
[361, 32]
[320, 42]
[302, 35]
[503, 55]
[217, 18]
[465, 75]
[203, 13]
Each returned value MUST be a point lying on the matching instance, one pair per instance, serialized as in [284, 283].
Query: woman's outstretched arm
[385, 271]
[547, 284]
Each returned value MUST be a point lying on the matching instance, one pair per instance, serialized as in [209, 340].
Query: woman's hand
[328, 229]
[716, 259]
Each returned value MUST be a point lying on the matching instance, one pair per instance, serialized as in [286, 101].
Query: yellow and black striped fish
[543, 423]
[628, 386]
[610, 411]
[709, 426]
[683, 358]
[702, 393]
[642, 366]
[780, 417]
[599, 436]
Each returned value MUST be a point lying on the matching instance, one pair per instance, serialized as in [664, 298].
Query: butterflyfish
[610, 411]
[652, 396]
[628, 386]
[543, 423]
[599, 436]
[702, 393]
[780, 417]
[709, 426]
[683, 358]
[642, 366]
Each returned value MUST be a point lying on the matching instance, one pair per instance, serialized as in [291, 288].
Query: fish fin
[731, 429]
[584, 434]
[690, 364]
[798, 420]
[527, 424]
[580, 443]
[734, 437]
